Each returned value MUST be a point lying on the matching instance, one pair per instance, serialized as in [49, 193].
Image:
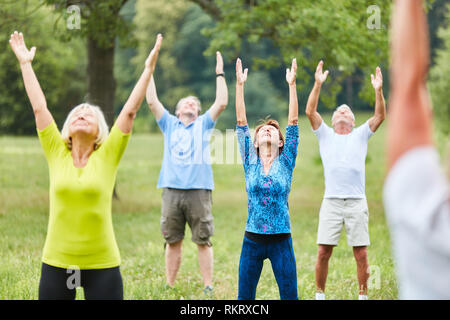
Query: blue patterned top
[268, 208]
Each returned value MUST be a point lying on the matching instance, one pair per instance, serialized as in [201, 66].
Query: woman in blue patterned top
[268, 164]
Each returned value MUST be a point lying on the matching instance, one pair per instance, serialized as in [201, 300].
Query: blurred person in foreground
[416, 191]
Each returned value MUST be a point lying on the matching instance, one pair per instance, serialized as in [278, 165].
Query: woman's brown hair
[273, 123]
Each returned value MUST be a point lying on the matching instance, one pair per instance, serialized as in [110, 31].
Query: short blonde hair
[103, 130]
[197, 100]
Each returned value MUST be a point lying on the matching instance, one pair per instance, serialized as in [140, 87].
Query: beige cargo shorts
[192, 206]
[351, 213]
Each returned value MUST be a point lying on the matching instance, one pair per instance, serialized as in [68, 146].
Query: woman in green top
[80, 248]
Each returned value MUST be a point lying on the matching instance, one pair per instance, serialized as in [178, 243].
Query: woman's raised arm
[291, 77]
[241, 77]
[126, 117]
[42, 115]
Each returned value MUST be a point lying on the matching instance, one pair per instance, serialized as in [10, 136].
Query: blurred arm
[410, 108]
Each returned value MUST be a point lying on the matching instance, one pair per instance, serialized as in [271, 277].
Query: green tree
[439, 81]
[55, 64]
[100, 24]
[166, 17]
[348, 35]
[262, 100]
[184, 68]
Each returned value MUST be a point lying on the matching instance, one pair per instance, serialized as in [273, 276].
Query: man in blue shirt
[186, 175]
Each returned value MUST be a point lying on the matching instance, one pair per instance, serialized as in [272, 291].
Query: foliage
[310, 30]
[100, 21]
[55, 64]
[262, 100]
[264, 34]
[439, 82]
[183, 68]
[165, 17]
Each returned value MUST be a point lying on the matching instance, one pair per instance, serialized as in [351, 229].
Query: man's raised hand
[377, 81]
[320, 76]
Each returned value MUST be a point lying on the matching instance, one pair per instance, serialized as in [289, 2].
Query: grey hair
[103, 130]
[197, 101]
[340, 107]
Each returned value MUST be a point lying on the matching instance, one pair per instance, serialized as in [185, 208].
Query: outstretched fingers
[292, 72]
[157, 45]
[319, 66]
[153, 56]
[294, 65]
[219, 63]
[14, 41]
[379, 74]
[158, 42]
[17, 44]
[241, 76]
[238, 66]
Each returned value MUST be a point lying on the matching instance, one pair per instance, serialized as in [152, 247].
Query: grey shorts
[192, 206]
[351, 213]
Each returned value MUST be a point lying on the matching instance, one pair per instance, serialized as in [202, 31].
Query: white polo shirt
[417, 204]
[343, 158]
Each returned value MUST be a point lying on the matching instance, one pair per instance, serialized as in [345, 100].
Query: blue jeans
[281, 256]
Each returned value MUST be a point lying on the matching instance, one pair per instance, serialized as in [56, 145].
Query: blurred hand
[291, 75]
[241, 77]
[320, 76]
[150, 62]
[20, 49]
[377, 81]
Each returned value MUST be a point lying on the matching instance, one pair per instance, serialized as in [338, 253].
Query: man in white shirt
[343, 151]
[416, 191]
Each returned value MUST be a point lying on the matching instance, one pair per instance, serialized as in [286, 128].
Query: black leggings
[98, 284]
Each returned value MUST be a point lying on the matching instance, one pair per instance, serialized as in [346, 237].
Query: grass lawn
[136, 215]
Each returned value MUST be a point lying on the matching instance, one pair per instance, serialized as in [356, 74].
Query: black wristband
[220, 74]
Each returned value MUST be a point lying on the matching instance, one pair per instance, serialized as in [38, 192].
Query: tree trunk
[101, 82]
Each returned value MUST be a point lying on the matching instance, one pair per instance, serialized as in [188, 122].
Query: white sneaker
[363, 297]
[320, 296]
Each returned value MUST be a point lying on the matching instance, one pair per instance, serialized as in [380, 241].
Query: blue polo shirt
[186, 162]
